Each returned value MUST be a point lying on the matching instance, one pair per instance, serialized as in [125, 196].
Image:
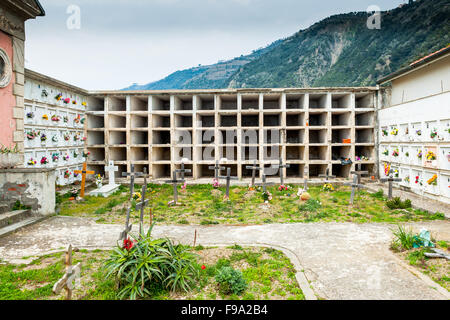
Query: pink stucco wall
[7, 99]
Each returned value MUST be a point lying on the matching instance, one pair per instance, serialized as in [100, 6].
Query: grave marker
[281, 166]
[354, 186]
[254, 168]
[124, 233]
[390, 180]
[83, 173]
[72, 274]
[183, 170]
[228, 177]
[141, 205]
[111, 187]
[359, 172]
[305, 178]
[175, 182]
[264, 183]
[217, 168]
[327, 176]
[132, 175]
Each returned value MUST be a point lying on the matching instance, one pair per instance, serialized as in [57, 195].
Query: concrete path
[341, 260]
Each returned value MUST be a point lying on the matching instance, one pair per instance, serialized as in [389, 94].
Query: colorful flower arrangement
[75, 175]
[433, 133]
[137, 196]
[430, 156]
[99, 180]
[83, 120]
[58, 96]
[31, 162]
[84, 138]
[384, 132]
[67, 100]
[74, 101]
[77, 119]
[55, 157]
[282, 188]
[386, 152]
[43, 137]
[67, 174]
[418, 181]
[419, 132]
[86, 154]
[66, 137]
[328, 187]
[267, 196]
[387, 168]
[45, 117]
[406, 179]
[362, 158]
[433, 180]
[75, 154]
[394, 132]
[395, 153]
[84, 104]
[30, 115]
[66, 157]
[216, 183]
[419, 154]
[76, 137]
[128, 244]
[56, 118]
[31, 135]
[44, 160]
[396, 173]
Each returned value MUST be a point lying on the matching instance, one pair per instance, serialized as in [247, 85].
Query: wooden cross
[264, 183]
[83, 173]
[128, 226]
[327, 176]
[141, 205]
[183, 170]
[132, 175]
[354, 186]
[254, 168]
[175, 182]
[72, 274]
[305, 178]
[359, 172]
[281, 166]
[228, 177]
[217, 168]
[390, 180]
[111, 169]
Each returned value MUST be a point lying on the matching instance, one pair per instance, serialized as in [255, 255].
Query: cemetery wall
[54, 119]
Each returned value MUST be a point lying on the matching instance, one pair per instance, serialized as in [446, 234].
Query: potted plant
[99, 181]
[9, 157]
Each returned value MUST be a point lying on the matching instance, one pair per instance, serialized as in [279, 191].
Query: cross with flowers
[281, 166]
[83, 173]
[132, 175]
[390, 180]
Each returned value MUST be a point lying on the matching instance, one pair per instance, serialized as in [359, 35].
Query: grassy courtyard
[268, 274]
[204, 205]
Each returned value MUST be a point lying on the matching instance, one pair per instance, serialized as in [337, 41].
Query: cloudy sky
[120, 42]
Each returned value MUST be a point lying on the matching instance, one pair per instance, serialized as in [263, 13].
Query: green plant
[19, 206]
[230, 281]
[378, 195]
[311, 205]
[403, 239]
[140, 266]
[397, 203]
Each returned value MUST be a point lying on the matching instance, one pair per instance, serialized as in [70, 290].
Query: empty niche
[228, 121]
[228, 102]
[95, 104]
[272, 120]
[272, 136]
[181, 153]
[206, 121]
[227, 137]
[233, 170]
[161, 171]
[160, 121]
[139, 121]
[295, 153]
[364, 100]
[117, 137]
[204, 171]
[364, 135]
[295, 120]
[183, 121]
[365, 151]
[317, 136]
[272, 153]
[95, 122]
[340, 119]
[318, 153]
[250, 120]
[186, 166]
[97, 154]
[340, 152]
[140, 168]
[95, 138]
[161, 154]
[364, 119]
[341, 171]
[339, 135]
[118, 154]
[295, 136]
[139, 154]
[295, 170]
[249, 153]
[205, 136]
[117, 121]
[341, 101]
[295, 101]
[161, 137]
[272, 102]
[98, 169]
[161, 103]
[247, 173]
[183, 103]
[317, 119]
[317, 169]
[250, 102]
[183, 137]
[139, 104]
[250, 136]
[206, 103]
[228, 152]
[117, 104]
[317, 101]
[139, 137]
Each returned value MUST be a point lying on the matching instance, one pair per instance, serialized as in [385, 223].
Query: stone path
[341, 260]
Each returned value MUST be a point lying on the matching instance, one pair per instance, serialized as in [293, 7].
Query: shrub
[142, 265]
[396, 203]
[403, 239]
[311, 205]
[230, 281]
[378, 195]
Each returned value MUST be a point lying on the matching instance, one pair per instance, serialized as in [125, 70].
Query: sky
[111, 44]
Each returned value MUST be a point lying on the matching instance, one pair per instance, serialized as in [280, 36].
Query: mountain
[337, 51]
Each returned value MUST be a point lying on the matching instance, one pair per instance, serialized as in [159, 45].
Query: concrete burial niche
[161, 154]
[339, 135]
[272, 153]
[364, 118]
[161, 171]
[341, 101]
[295, 153]
[272, 136]
[272, 120]
[117, 104]
[93, 138]
[205, 102]
[139, 154]
[182, 103]
[295, 136]
[117, 122]
[296, 170]
[364, 135]
[118, 153]
[139, 103]
[338, 152]
[228, 102]
[180, 153]
[160, 103]
[340, 119]
[272, 101]
[161, 137]
[318, 152]
[318, 101]
[183, 121]
[227, 137]
[341, 171]
[138, 121]
[139, 137]
[296, 101]
[96, 122]
[228, 120]
[250, 102]
[364, 100]
[249, 154]
[117, 138]
[97, 154]
[318, 136]
[161, 121]
[250, 120]
[295, 119]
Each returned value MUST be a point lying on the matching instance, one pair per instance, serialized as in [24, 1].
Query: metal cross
[359, 172]
[217, 168]
[183, 170]
[254, 168]
[264, 183]
[228, 177]
[281, 166]
[390, 180]
[83, 173]
[327, 175]
[354, 186]
[175, 182]
[124, 233]
[72, 274]
[305, 178]
[132, 175]
[141, 205]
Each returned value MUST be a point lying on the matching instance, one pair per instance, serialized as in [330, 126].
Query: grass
[269, 274]
[203, 205]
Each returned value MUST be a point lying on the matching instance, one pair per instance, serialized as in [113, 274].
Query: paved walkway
[341, 260]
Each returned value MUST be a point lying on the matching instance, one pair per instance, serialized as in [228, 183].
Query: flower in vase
[419, 132]
[58, 96]
[44, 160]
[328, 187]
[419, 154]
[56, 118]
[55, 157]
[282, 188]
[45, 117]
[433, 180]
[394, 132]
[86, 154]
[433, 133]
[43, 137]
[385, 132]
[55, 138]
[74, 101]
[395, 153]
[75, 154]
[66, 157]
[396, 173]
[30, 115]
[84, 104]
[67, 100]
[216, 183]
[430, 156]
[386, 152]
[31, 135]
[67, 174]
[31, 162]
[67, 137]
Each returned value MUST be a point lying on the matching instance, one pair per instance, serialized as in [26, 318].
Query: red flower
[128, 244]
[203, 267]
